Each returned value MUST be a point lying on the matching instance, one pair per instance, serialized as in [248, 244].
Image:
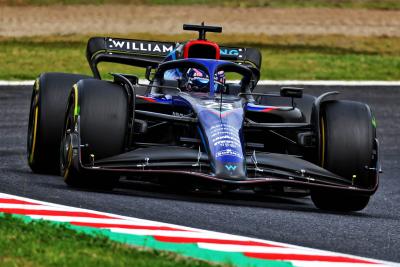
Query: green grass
[284, 57]
[366, 4]
[292, 65]
[45, 244]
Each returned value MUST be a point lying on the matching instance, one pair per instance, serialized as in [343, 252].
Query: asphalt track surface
[373, 232]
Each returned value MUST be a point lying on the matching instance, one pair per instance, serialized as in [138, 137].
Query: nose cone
[222, 135]
[230, 170]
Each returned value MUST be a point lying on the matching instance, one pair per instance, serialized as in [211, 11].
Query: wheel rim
[66, 150]
[33, 122]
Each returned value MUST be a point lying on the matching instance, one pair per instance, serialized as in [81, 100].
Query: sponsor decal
[231, 51]
[225, 136]
[231, 136]
[223, 133]
[177, 114]
[230, 167]
[226, 51]
[140, 46]
[226, 141]
[229, 152]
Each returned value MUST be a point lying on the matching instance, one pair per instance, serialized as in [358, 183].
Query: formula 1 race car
[199, 124]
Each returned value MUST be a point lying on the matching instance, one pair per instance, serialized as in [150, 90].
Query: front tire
[347, 149]
[47, 110]
[339, 202]
[102, 108]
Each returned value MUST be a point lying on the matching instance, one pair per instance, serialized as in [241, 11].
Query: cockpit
[193, 76]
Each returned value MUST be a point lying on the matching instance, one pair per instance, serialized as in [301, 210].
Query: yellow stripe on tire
[32, 155]
[76, 108]
[35, 120]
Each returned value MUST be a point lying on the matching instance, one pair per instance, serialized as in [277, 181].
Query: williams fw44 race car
[199, 125]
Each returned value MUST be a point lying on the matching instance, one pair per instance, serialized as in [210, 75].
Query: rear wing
[142, 53]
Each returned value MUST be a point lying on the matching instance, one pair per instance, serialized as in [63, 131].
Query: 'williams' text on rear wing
[142, 53]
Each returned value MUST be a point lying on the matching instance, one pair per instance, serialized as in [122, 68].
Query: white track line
[16, 83]
[329, 264]
[35, 207]
[261, 249]
[329, 83]
[95, 220]
[187, 234]
[266, 82]
[191, 232]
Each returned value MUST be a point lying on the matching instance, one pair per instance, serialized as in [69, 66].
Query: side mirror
[132, 78]
[121, 78]
[292, 92]
[149, 74]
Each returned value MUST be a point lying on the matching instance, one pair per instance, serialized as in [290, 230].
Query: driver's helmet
[198, 81]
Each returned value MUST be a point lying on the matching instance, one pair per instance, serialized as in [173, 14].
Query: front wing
[190, 166]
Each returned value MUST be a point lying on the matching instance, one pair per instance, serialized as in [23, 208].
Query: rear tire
[103, 111]
[347, 149]
[47, 110]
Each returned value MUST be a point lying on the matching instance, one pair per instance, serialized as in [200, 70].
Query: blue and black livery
[239, 138]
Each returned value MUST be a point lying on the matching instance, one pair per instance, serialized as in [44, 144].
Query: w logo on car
[230, 167]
